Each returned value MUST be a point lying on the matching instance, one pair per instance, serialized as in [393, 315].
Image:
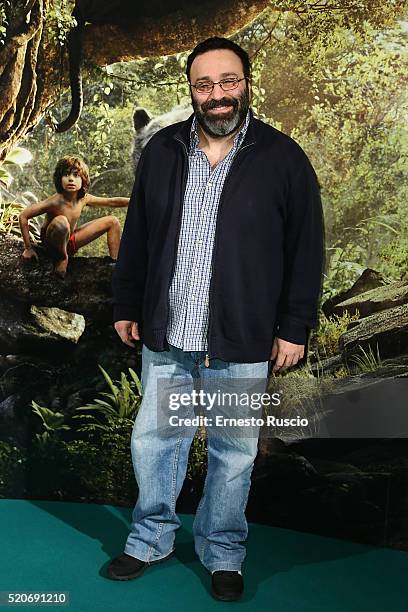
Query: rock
[387, 328]
[324, 466]
[60, 323]
[274, 457]
[56, 404]
[36, 330]
[271, 446]
[381, 454]
[374, 300]
[73, 402]
[13, 316]
[326, 366]
[369, 279]
[85, 290]
[7, 406]
[357, 478]
[365, 405]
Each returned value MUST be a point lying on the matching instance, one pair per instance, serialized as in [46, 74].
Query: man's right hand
[128, 331]
[30, 254]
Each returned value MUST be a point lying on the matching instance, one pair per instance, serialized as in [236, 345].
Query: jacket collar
[183, 133]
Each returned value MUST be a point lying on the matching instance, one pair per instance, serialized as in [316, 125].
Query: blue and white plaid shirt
[189, 290]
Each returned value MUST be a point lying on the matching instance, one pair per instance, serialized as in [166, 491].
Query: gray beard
[218, 127]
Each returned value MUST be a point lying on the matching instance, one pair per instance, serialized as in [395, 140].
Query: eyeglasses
[225, 84]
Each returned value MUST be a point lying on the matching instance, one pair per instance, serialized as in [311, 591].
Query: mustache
[217, 103]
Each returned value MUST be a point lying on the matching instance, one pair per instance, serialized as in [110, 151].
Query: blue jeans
[160, 464]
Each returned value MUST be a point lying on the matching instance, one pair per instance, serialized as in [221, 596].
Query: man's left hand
[286, 354]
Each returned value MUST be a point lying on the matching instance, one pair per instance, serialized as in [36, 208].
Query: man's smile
[221, 109]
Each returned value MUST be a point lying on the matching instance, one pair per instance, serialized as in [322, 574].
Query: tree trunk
[30, 59]
[25, 83]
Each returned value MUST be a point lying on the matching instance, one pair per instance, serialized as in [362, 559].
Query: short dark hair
[216, 42]
[71, 162]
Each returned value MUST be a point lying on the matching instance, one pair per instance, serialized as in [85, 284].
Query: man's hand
[286, 354]
[30, 254]
[128, 331]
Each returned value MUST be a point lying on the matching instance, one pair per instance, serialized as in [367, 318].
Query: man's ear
[249, 90]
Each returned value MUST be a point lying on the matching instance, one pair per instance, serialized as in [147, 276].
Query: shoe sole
[221, 598]
[139, 572]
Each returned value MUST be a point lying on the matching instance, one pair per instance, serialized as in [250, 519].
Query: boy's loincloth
[71, 244]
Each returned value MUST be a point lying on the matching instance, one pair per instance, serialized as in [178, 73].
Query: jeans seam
[206, 542]
[173, 494]
[204, 548]
[174, 474]
[158, 534]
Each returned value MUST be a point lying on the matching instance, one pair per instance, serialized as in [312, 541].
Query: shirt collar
[238, 138]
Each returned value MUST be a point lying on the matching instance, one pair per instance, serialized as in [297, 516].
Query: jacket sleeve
[129, 275]
[303, 256]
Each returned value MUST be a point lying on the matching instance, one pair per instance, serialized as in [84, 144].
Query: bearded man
[219, 275]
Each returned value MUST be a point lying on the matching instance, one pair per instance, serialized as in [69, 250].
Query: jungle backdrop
[330, 75]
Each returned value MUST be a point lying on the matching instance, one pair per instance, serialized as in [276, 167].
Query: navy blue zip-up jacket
[268, 248]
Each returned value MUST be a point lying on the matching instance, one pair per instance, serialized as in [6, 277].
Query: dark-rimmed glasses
[225, 84]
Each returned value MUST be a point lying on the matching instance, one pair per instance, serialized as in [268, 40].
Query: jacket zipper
[185, 174]
[207, 355]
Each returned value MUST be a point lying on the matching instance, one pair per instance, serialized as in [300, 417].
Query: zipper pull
[207, 361]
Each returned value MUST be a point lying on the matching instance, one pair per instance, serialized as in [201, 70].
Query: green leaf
[18, 156]
[136, 380]
[51, 420]
[5, 177]
[108, 379]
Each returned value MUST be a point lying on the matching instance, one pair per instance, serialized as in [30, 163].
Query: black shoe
[126, 567]
[227, 585]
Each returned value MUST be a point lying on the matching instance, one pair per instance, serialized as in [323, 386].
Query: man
[219, 272]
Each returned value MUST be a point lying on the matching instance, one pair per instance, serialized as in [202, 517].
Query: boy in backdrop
[59, 233]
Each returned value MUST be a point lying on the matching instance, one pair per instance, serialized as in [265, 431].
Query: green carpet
[56, 546]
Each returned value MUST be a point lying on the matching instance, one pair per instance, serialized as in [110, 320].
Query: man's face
[220, 112]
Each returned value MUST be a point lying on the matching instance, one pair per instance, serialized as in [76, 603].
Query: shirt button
[209, 184]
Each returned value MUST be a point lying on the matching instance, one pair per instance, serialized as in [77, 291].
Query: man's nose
[217, 92]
